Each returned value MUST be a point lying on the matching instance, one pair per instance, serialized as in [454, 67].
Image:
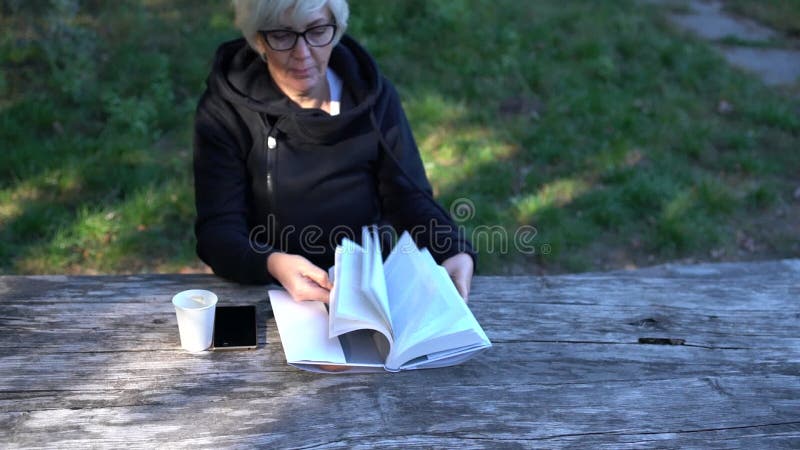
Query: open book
[404, 313]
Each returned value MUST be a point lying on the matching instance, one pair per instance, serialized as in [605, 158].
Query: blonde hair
[254, 15]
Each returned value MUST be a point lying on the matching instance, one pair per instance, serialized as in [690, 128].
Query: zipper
[272, 159]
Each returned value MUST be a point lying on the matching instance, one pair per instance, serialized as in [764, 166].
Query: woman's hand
[302, 279]
[460, 268]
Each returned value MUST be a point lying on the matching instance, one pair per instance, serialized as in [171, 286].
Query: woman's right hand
[302, 279]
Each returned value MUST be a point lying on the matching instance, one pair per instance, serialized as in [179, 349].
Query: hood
[241, 78]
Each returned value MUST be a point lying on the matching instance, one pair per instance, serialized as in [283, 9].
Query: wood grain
[96, 362]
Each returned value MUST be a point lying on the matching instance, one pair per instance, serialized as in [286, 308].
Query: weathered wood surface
[95, 362]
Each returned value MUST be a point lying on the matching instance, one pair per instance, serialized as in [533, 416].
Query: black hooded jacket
[271, 176]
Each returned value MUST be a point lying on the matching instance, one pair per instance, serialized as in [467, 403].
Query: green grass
[591, 122]
[96, 119]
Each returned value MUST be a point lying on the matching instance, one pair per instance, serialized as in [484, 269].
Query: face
[301, 70]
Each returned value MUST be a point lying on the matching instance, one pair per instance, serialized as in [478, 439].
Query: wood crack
[547, 341]
[646, 433]
[398, 438]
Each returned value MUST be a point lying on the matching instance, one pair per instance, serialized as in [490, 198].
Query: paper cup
[195, 310]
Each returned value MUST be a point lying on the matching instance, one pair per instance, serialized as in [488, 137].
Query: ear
[260, 47]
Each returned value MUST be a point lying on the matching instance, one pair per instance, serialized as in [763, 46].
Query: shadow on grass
[599, 127]
[587, 121]
[96, 173]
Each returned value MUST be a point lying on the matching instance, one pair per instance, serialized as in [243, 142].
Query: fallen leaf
[745, 242]
[724, 107]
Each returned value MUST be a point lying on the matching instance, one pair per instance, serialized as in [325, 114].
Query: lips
[301, 73]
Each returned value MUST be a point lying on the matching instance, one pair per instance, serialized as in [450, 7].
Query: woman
[300, 141]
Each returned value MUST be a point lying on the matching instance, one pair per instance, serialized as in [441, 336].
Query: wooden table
[578, 360]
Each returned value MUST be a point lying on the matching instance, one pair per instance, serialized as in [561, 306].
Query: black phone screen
[235, 327]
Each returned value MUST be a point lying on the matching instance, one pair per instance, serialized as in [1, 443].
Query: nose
[301, 49]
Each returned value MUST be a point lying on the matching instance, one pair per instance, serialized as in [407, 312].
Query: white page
[401, 283]
[343, 324]
[440, 339]
[349, 309]
[302, 327]
[366, 267]
[428, 312]
[462, 334]
[460, 314]
[431, 317]
[416, 303]
[346, 302]
[445, 359]
[373, 283]
[379, 278]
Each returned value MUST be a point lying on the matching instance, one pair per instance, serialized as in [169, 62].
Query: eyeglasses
[285, 40]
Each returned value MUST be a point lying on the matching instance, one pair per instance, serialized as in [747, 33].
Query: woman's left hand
[460, 268]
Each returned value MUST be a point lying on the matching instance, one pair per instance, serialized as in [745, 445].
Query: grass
[96, 122]
[573, 135]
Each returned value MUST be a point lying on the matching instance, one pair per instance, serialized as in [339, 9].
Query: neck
[318, 97]
[319, 100]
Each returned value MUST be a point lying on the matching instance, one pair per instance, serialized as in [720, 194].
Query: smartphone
[235, 328]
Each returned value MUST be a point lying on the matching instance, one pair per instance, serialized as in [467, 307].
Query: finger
[463, 289]
[467, 281]
[310, 291]
[461, 285]
[318, 276]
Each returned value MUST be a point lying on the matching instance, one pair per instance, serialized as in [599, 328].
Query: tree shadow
[538, 115]
[95, 177]
[598, 140]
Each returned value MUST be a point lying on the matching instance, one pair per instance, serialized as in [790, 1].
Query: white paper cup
[195, 309]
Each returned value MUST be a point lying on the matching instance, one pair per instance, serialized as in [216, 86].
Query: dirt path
[759, 54]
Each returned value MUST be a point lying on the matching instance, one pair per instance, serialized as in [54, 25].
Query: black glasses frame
[297, 34]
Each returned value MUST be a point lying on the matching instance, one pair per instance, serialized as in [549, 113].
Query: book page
[350, 309]
[452, 297]
[444, 359]
[428, 313]
[412, 299]
[346, 301]
[373, 281]
[361, 348]
[461, 341]
[463, 319]
[302, 327]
